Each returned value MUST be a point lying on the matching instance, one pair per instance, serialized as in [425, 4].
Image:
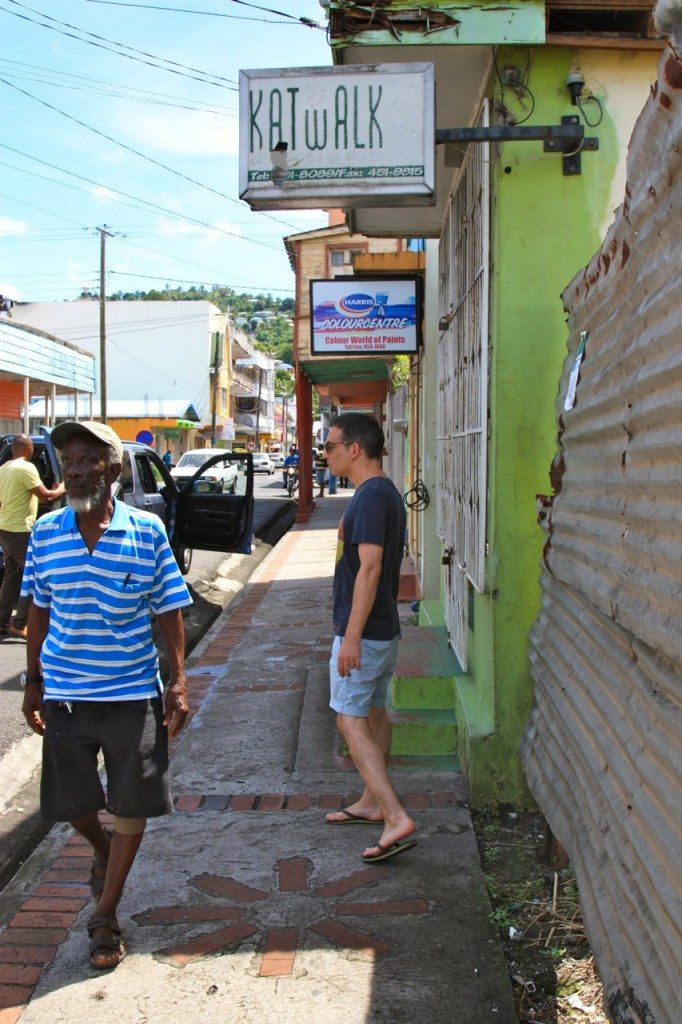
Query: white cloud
[102, 194]
[180, 131]
[173, 228]
[10, 291]
[9, 226]
[112, 156]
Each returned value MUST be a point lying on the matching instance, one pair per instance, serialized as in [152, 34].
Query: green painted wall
[544, 227]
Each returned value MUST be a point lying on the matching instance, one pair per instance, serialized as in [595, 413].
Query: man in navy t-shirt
[367, 628]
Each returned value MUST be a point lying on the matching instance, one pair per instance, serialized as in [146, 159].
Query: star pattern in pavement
[282, 918]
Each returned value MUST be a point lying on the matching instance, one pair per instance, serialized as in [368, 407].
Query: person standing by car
[367, 627]
[20, 490]
[97, 570]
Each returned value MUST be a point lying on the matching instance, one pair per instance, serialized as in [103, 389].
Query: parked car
[262, 463]
[194, 517]
[277, 459]
[220, 477]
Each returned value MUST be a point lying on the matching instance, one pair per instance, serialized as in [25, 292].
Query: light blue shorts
[367, 686]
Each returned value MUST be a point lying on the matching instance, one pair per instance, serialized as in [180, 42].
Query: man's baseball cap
[101, 432]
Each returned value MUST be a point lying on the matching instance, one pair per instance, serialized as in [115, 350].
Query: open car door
[217, 521]
[50, 469]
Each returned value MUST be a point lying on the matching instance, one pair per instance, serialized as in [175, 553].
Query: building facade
[512, 223]
[36, 364]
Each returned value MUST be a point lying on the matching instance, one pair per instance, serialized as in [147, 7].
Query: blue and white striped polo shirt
[99, 642]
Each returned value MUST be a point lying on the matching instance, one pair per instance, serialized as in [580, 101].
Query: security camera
[575, 83]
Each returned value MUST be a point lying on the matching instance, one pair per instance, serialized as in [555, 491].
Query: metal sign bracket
[567, 138]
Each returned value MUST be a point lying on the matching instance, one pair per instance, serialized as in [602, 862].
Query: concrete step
[425, 673]
[423, 733]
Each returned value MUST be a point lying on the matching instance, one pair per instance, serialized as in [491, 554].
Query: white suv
[217, 478]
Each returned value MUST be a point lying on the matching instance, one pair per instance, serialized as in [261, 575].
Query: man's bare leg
[370, 761]
[367, 806]
[121, 851]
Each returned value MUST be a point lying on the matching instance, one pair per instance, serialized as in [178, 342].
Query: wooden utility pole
[215, 370]
[103, 235]
[260, 389]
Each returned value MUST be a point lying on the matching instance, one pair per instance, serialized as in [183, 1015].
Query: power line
[184, 280]
[174, 69]
[189, 264]
[41, 210]
[124, 92]
[136, 152]
[185, 10]
[308, 22]
[136, 199]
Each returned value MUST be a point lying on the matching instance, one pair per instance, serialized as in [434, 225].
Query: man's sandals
[105, 953]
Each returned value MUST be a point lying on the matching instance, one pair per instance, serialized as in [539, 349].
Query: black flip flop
[390, 851]
[355, 819]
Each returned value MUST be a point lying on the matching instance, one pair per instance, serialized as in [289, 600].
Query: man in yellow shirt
[20, 490]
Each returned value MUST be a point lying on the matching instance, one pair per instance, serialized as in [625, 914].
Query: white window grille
[462, 422]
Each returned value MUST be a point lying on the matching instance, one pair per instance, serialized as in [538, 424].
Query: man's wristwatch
[26, 680]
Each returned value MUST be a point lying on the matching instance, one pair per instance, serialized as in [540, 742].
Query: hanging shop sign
[364, 316]
[332, 136]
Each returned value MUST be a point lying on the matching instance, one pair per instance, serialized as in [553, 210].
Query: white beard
[89, 502]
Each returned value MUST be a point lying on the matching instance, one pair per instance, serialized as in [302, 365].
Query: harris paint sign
[364, 316]
[331, 136]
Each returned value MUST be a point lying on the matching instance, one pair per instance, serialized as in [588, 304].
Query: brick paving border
[253, 802]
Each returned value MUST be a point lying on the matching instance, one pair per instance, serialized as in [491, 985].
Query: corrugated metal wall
[602, 750]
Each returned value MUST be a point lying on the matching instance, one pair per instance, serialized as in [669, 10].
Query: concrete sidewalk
[244, 906]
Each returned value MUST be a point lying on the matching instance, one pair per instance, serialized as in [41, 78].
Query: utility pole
[103, 235]
[215, 370]
[260, 389]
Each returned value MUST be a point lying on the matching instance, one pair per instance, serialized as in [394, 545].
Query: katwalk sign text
[319, 137]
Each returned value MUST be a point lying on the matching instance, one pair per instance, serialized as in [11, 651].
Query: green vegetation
[400, 372]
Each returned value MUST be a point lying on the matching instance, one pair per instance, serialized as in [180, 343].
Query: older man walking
[20, 490]
[365, 649]
[97, 570]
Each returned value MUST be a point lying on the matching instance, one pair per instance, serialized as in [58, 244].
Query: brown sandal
[112, 947]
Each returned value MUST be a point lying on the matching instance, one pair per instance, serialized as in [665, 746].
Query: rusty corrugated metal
[602, 750]
[602, 755]
[615, 525]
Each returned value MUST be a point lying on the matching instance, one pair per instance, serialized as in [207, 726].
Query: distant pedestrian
[320, 470]
[20, 491]
[167, 458]
[367, 628]
[97, 571]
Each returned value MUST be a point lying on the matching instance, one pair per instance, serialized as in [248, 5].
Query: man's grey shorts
[134, 743]
[367, 686]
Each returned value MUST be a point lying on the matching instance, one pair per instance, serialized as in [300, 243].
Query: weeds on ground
[537, 912]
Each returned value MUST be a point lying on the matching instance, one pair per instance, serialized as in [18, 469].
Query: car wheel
[183, 556]
[232, 489]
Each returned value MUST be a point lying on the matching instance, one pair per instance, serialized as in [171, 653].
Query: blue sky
[49, 248]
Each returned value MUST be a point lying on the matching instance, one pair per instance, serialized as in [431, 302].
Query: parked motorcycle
[292, 480]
